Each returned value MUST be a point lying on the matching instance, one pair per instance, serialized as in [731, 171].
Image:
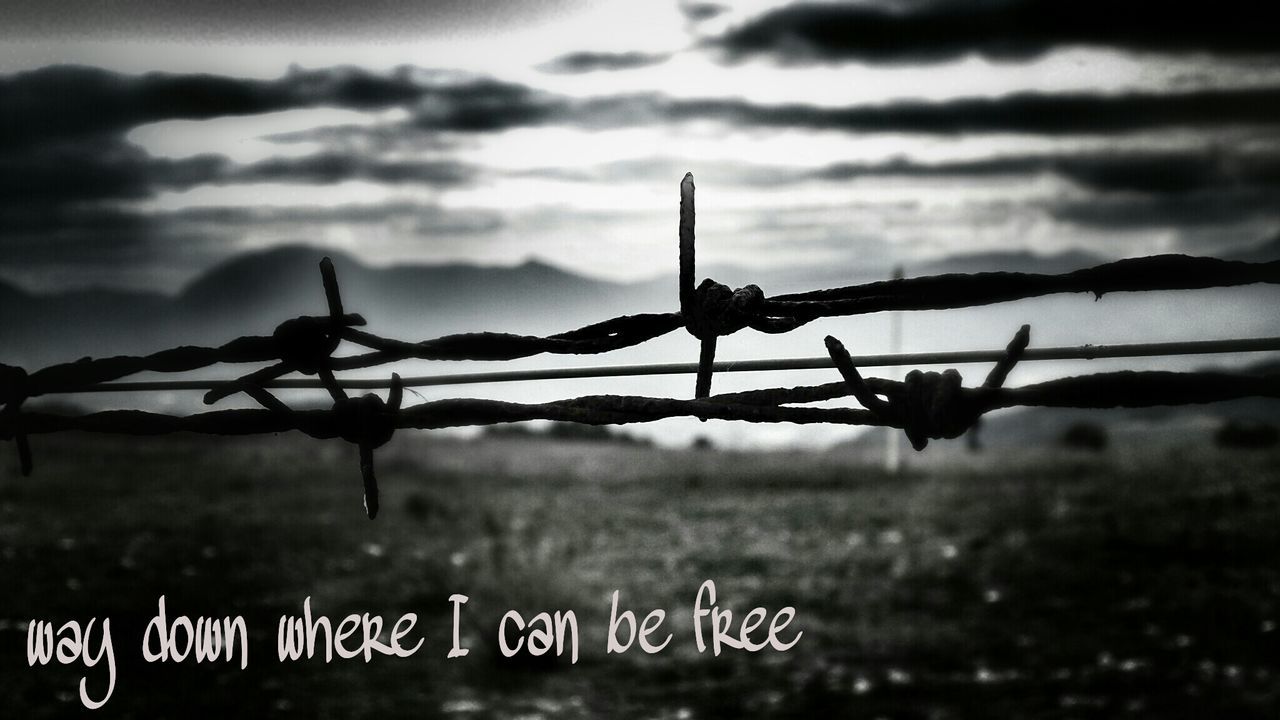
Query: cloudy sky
[141, 143]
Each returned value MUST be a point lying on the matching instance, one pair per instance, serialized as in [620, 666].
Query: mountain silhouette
[285, 282]
[252, 293]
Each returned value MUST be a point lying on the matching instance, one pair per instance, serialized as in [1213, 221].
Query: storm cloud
[69, 101]
[97, 169]
[934, 31]
[1208, 207]
[59, 104]
[48, 176]
[472, 157]
[491, 106]
[1039, 113]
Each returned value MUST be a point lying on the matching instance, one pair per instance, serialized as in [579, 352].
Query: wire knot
[369, 422]
[928, 405]
[933, 406]
[305, 344]
[366, 421]
[718, 310]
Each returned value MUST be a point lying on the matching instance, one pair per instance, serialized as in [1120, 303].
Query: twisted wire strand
[1122, 389]
[1162, 272]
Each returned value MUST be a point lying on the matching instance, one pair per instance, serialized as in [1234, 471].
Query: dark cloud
[584, 62]
[940, 30]
[488, 105]
[59, 104]
[62, 102]
[1036, 113]
[97, 169]
[1172, 173]
[496, 106]
[329, 168]
[62, 130]
[66, 102]
[1210, 207]
[47, 177]
[66, 170]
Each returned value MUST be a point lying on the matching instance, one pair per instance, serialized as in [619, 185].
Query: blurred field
[1049, 585]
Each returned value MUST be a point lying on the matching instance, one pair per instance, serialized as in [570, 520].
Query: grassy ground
[1056, 586]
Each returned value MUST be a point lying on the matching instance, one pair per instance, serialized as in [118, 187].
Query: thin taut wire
[960, 357]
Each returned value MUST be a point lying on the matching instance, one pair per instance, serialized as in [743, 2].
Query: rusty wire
[925, 405]
[771, 405]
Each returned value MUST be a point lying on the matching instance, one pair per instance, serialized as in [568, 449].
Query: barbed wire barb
[928, 405]
[304, 344]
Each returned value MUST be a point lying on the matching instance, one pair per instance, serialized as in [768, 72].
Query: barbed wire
[925, 405]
